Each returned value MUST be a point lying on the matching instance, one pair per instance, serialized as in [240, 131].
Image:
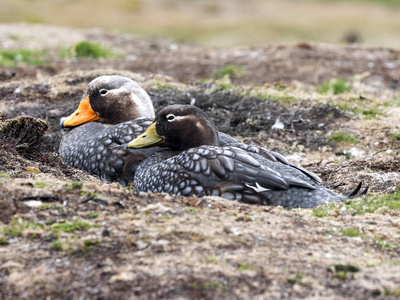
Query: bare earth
[129, 245]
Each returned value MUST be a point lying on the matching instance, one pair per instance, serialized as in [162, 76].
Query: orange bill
[84, 114]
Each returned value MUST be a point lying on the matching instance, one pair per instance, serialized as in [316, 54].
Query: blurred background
[224, 22]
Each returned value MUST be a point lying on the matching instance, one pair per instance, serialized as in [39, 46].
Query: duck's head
[111, 100]
[179, 127]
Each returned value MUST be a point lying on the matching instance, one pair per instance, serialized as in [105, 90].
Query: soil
[141, 245]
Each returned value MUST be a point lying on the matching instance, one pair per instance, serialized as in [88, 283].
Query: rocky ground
[64, 234]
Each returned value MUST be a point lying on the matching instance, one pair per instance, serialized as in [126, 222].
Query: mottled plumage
[100, 147]
[195, 164]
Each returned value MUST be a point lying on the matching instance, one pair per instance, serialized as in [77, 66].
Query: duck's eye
[103, 92]
[170, 117]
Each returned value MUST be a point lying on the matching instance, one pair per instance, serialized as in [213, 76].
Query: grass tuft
[12, 58]
[342, 137]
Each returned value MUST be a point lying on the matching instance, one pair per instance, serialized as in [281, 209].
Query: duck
[192, 162]
[113, 111]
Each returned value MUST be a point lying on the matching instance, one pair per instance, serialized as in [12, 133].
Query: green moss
[40, 184]
[87, 193]
[230, 71]
[87, 49]
[385, 202]
[395, 293]
[395, 136]
[3, 241]
[17, 227]
[337, 87]
[350, 232]
[382, 244]
[342, 137]
[340, 86]
[244, 267]
[90, 50]
[47, 206]
[295, 278]
[70, 227]
[12, 58]
[93, 215]
[57, 245]
[324, 88]
[74, 186]
[340, 271]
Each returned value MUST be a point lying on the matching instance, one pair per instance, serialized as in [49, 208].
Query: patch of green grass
[342, 137]
[340, 86]
[295, 278]
[395, 293]
[324, 88]
[40, 184]
[147, 212]
[87, 49]
[87, 193]
[337, 87]
[340, 271]
[70, 227]
[371, 113]
[385, 202]
[3, 241]
[74, 186]
[93, 215]
[395, 136]
[18, 225]
[212, 259]
[350, 232]
[12, 58]
[382, 244]
[47, 206]
[244, 267]
[88, 244]
[230, 71]
[57, 245]
[5, 175]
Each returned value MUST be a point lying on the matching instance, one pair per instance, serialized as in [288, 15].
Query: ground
[66, 234]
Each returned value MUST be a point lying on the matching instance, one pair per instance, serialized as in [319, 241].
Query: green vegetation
[5, 175]
[40, 184]
[12, 58]
[244, 267]
[395, 293]
[340, 271]
[352, 232]
[229, 71]
[385, 202]
[74, 186]
[18, 225]
[88, 244]
[87, 49]
[382, 244]
[395, 136]
[47, 206]
[93, 215]
[3, 241]
[342, 137]
[70, 227]
[87, 193]
[295, 278]
[338, 86]
[56, 245]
